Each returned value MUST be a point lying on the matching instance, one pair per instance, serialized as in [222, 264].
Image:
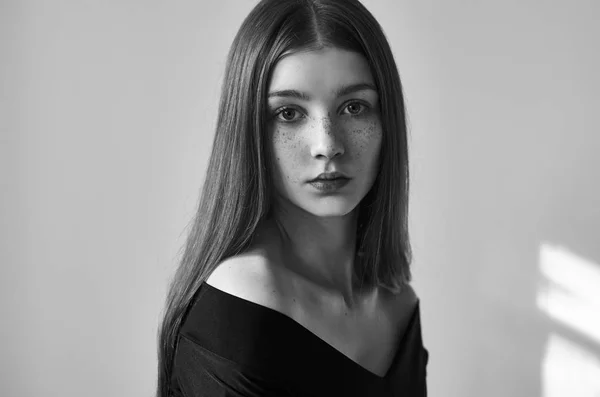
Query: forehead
[320, 72]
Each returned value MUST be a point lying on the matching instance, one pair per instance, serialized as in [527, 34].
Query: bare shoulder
[409, 295]
[402, 304]
[251, 276]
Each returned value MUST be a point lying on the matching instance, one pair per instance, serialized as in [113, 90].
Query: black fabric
[232, 347]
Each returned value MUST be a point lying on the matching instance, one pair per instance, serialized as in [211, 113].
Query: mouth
[329, 186]
[329, 177]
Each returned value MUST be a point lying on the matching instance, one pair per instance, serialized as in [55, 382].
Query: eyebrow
[344, 90]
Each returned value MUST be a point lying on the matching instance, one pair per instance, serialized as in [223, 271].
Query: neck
[319, 249]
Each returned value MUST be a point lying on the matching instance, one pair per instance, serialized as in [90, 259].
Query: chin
[334, 205]
[330, 206]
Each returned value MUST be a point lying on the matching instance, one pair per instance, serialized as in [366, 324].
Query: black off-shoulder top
[231, 347]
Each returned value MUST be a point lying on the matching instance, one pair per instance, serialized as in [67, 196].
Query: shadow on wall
[545, 342]
[518, 264]
[506, 210]
[569, 294]
[548, 346]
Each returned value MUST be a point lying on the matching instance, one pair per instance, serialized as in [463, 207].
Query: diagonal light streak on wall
[569, 370]
[578, 275]
[571, 294]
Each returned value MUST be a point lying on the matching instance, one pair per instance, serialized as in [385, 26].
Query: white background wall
[107, 113]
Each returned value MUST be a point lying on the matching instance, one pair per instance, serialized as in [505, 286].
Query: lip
[329, 185]
[327, 176]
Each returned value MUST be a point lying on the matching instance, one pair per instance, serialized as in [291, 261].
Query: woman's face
[323, 116]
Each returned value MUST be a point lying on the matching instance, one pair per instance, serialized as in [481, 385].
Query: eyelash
[364, 108]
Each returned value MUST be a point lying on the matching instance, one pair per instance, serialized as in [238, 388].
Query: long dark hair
[236, 194]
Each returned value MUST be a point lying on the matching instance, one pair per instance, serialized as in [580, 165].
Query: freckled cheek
[366, 142]
[287, 149]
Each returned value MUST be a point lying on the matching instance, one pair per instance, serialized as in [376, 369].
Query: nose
[325, 140]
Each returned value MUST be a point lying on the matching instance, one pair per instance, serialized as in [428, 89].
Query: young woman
[295, 277]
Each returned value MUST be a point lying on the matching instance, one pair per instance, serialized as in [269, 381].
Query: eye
[287, 113]
[355, 108]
